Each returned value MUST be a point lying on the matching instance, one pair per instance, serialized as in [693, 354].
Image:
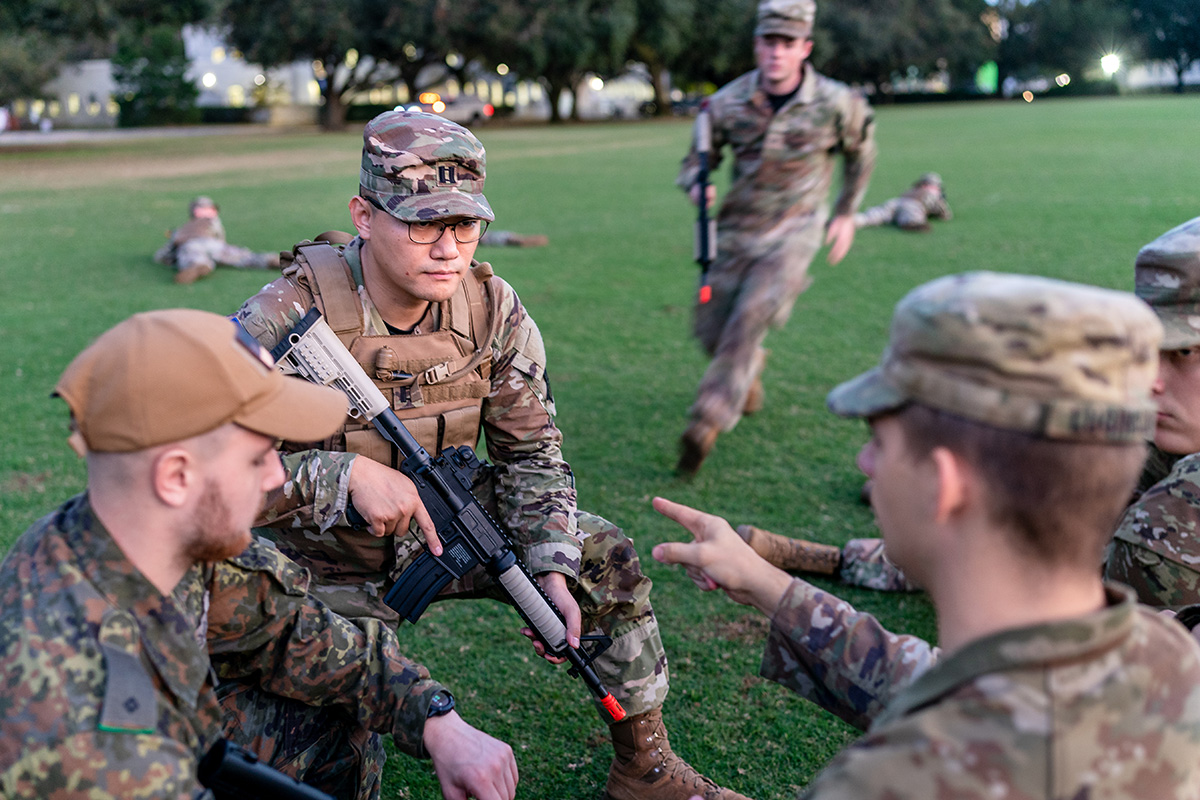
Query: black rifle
[706, 227]
[232, 773]
[468, 533]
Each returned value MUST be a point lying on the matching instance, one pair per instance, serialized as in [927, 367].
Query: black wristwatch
[441, 703]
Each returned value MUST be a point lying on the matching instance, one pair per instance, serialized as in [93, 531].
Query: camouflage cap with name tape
[419, 166]
[791, 18]
[1046, 357]
[1167, 276]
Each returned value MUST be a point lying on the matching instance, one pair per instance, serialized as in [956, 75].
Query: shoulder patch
[130, 699]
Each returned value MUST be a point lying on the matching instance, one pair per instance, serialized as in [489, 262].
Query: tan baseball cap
[792, 18]
[421, 166]
[1046, 357]
[1167, 276]
[165, 376]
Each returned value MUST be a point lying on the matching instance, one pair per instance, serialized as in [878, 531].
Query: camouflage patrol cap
[165, 376]
[201, 202]
[792, 18]
[421, 166]
[1035, 355]
[1167, 276]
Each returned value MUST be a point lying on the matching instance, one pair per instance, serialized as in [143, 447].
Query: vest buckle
[436, 373]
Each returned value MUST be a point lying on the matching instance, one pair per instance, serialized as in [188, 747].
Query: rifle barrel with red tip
[612, 707]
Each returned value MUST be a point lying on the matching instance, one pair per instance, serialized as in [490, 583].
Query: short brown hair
[1063, 499]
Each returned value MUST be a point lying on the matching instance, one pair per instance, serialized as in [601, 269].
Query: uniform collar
[1048, 644]
[805, 93]
[168, 624]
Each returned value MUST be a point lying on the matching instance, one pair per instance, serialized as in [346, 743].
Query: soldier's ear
[361, 212]
[173, 475]
[954, 483]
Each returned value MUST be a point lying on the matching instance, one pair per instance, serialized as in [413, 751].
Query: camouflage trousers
[904, 212]
[210, 252]
[865, 564]
[323, 747]
[1158, 581]
[353, 571]
[755, 281]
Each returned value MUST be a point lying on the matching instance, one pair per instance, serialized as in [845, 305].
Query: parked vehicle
[465, 109]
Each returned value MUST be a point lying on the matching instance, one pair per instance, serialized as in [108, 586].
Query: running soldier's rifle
[232, 773]
[706, 226]
[468, 533]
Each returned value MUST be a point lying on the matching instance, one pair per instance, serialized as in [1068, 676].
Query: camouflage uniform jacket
[1156, 547]
[108, 688]
[1105, 705]
[783, 161]
[932, 200]
[535, 488]
[197, 228]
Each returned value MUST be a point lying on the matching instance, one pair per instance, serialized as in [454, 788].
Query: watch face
[441, 703]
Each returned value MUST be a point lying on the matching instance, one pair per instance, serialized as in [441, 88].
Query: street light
[1110, 64]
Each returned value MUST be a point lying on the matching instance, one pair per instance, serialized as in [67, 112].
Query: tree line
[692, 44]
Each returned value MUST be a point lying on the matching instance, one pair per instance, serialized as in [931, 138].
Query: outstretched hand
[718, 558]
[840, 234]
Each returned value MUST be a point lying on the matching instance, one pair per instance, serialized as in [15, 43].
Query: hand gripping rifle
[468, 533]
[706, 227]
[232, 773]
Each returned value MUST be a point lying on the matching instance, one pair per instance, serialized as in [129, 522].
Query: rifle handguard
[468, 533]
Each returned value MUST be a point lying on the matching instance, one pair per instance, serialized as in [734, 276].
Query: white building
[83, 93]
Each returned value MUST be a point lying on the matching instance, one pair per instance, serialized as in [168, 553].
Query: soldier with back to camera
[1008, 421]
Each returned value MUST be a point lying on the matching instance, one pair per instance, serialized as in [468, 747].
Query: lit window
[218, 55]
[236, 95]
[73, 103]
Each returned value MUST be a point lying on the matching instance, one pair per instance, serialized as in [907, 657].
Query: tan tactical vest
[435, 381]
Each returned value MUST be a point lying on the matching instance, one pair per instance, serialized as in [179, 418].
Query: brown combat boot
[193, 273]
[529, 240]
[645, 768]
[697, 442]
[754, 398]
[756, 395]
[792, 554]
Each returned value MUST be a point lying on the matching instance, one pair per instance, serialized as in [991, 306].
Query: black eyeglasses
[465, 231]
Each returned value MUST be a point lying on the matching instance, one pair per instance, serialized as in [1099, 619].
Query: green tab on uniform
[130, 704]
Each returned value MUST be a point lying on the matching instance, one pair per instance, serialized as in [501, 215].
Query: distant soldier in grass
[196, 247]
[494, 238]
[786, 126]
[912, 210]
[1008, 423]
[459, 357]
[1156, 548]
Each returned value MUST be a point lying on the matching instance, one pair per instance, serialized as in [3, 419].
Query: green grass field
[1067, 189]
